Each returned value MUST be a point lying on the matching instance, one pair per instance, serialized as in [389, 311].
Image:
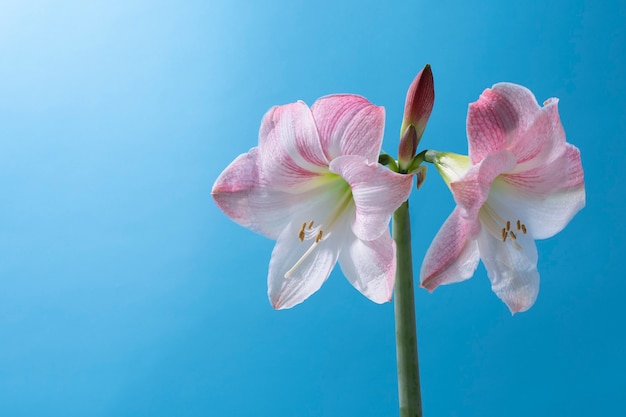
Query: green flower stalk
[404, 309]
[419, 104]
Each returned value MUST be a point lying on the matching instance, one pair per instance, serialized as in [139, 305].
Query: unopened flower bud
[419, 102]
[407, 148]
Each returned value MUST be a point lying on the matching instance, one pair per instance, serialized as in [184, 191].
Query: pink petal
[542, 141]
[451, 257]
[497, 116]
[472, 190]
[234, 185]
[240, 194]
[349, 125]
[377, 193]
[290, 153]
[575, 176]
[370, 266]
[512, 269]
[563, 171]
[311, 273]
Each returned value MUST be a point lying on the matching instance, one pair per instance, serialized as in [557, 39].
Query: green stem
[404, 307]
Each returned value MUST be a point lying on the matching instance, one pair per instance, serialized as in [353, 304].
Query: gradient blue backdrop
[124, 291]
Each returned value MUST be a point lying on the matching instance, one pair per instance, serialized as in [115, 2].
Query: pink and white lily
[520, 182]
[314, 184]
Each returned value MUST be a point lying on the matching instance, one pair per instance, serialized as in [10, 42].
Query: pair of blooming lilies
[318, 184]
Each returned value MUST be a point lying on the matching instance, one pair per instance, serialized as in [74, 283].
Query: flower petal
[575, 175]
[234, 185]
[564, 171]
[349, 125]
[270, 211]
[494, 119]
[240, 194]
[451, 257]
[377, 193]
[545, 199]
[542, 141]
[472, 190]
[370, 266]
[543, 215]
[305, 272]
[290, 153]
[512, 269]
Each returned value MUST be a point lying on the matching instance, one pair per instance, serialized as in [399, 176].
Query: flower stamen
[493, 222]
[308, 232]
[299, 261]
[301, 233]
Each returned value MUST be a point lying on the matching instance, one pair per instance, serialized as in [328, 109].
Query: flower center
[501, 228]
[315, 231]
[305, 234]
[506, 231]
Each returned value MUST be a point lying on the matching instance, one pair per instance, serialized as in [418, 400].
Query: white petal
[512, 269]
[370, 266]
[270, 211]
[295, 274]
[543, 215]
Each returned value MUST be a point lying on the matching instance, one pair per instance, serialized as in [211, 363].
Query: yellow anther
[301, 233]
[504, 235]
[318, 237]
[508, 225]
[311, 225]
[523, 229]
[518, 225]
[513, 235]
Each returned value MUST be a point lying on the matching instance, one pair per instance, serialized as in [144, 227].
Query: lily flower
[313, 183]
[520, 182]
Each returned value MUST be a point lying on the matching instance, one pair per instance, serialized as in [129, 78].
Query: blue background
[124, 291]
